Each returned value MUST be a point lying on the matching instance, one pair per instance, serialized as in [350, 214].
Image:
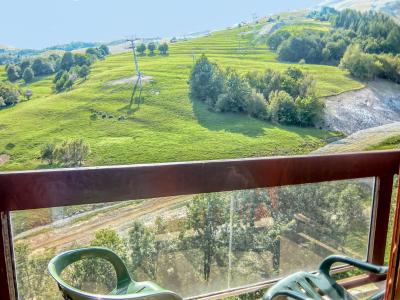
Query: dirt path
[363, 139]
[81, 233]
[375, 105]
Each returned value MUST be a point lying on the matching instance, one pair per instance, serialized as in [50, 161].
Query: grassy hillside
[167, 126]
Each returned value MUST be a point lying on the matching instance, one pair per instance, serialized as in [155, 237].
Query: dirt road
[81, 233]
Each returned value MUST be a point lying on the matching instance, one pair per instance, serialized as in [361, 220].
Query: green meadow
[167, 126]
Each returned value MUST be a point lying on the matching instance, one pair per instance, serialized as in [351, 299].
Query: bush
[309, 110]
[28, 75]
[9, 93]
[236, 96]
[47, 153]
[307, 47]
[256, 106]
[282, 108]
[13, 73]
[276, 39]
[71, 153]
[361, 65]
[42, 67]
[67, 61]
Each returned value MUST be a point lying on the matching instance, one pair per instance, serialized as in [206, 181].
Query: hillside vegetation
[167, 126]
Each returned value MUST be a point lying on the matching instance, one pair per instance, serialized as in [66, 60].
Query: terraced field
[167, 126]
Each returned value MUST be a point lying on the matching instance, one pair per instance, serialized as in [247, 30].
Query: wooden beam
[63, 187]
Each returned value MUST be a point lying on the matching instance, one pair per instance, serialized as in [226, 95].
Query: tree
[60, 83]
[47, 153]
[28, 75]
[307, 47]
[206, 81]
[141, 48]
[309, 110]
[105, 50]
[71, 153]
[236, 96]
[84, 71]
[163, 48]
[9, 93]
[276, 39]
[142, 244]
[68, 84]
[256, 106]
[67, 61]
[81, 59]
[361, 65]
[152, 47]
[206, 213]
[13, 73]
[42, 67]
[282, 108]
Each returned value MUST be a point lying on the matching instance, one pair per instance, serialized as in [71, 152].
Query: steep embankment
[375, 105]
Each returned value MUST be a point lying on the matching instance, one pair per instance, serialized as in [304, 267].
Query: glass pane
[197, 244]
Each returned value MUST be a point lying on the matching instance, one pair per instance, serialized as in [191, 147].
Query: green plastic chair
[313, 286]
[126, 288]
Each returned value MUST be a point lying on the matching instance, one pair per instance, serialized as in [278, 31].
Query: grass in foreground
[167, 126]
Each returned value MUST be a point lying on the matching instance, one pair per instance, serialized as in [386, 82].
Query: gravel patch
[129, 80]
[4, 158]
[375, 105]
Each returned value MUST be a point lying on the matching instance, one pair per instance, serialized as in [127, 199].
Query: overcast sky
[41, 23]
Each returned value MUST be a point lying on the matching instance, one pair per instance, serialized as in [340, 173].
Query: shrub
[9, 93]
[282, 108]
[41, 66]
[276, 39]
[309, 110]
[236, 96]
[47, 153]
[13, 72]
[71, 153]
[28, 75]
[361, 65]
[256, 106]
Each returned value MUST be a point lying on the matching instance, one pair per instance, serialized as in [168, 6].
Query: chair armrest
[326, 265]
[63, 260]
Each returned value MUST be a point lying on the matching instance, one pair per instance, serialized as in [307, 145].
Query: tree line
[151, 47]
[376, 35]
[69, 67]
[285, 98]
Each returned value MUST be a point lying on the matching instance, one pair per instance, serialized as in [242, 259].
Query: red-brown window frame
[64, 187]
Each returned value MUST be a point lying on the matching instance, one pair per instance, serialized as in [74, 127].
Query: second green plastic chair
[313, 286]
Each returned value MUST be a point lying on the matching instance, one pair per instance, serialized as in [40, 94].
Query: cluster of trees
[374, 33]
[67, 67]
[69, 153]
[74, 66]
[286, 98]
[28, 69]
[326, 13]
[162, 48]
[9, 94]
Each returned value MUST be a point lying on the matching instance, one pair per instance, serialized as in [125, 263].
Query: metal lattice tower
[138, 82]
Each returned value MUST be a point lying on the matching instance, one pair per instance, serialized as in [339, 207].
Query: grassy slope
[167, 127]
